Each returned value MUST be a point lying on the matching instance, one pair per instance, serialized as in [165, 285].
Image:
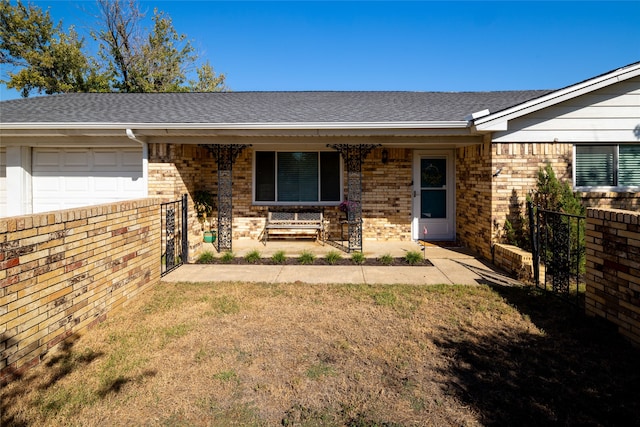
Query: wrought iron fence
[558, 250]
[175, 248]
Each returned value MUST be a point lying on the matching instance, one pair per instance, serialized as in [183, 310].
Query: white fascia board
[499, 120]
[240, 126]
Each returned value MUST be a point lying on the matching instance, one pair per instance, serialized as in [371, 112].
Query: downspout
[145, 159]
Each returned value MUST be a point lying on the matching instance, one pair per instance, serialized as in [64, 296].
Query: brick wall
[473, 197]
[63, 271]
[178, 169]
[613, 269]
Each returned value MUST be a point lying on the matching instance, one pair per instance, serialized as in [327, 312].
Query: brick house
[451, 165]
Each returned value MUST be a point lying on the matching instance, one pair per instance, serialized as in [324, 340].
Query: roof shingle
[258, 107]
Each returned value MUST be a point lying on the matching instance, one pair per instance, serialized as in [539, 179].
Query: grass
[332, 355]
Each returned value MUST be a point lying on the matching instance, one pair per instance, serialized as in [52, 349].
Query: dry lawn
[330, 355]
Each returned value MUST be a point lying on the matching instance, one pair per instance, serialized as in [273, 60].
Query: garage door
[3, 182]
[69, 178]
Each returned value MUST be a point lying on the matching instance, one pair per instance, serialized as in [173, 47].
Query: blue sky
[415, 45]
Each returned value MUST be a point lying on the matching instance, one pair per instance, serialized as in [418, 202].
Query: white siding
[608, 115]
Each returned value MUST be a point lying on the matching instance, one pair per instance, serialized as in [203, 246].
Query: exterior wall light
[385, 156]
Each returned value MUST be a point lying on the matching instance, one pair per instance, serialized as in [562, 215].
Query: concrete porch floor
[451, 265]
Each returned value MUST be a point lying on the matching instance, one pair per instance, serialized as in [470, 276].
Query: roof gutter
[145, 159]
[242, 126]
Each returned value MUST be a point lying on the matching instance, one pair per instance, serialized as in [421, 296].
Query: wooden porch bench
[294, 222]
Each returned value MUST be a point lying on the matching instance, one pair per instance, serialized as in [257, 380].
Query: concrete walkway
[450, 266]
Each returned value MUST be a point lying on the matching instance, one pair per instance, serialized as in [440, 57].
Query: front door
[433, 195]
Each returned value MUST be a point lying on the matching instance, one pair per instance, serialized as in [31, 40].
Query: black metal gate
[558, 249]
[173, 226]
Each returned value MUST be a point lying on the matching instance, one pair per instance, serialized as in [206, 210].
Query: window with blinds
[301, 177]
[607, 166]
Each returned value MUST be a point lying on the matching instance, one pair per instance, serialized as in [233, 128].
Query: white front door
[433, 195]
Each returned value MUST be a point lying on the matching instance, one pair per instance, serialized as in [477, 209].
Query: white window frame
[602, 188]
[305, 203]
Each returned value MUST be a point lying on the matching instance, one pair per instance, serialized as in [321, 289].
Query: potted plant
[204, 203]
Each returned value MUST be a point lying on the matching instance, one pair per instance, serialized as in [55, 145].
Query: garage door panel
[76, 159]
[46, 183]
[73, 184]
[72, 178]
[105, 159]
[46, 160]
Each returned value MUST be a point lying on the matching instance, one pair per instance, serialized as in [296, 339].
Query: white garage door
[3, 182]
[69, 178]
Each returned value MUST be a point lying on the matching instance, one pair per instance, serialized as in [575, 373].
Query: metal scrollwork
[226, 155]
[170, 257]
[353, 156]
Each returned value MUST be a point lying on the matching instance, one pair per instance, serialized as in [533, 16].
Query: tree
[44, 58]
[158, 62]
[208, 81]
[41, 56]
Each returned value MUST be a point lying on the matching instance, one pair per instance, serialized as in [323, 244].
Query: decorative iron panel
[173, 234]
[353, 156]
[226, 155]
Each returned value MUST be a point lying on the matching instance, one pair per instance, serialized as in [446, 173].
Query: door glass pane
[433, 204]
[594, 165]
[629, 165]
[433, 173]
[297, 177]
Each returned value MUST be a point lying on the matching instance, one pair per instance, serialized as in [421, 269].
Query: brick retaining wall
[613, 269]
[63, 271]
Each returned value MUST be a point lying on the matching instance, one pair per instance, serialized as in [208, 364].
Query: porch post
[226, 155]
[354, 155]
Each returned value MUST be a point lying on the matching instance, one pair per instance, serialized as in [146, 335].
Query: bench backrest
[295, 216]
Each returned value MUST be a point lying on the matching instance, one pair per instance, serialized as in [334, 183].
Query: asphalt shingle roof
[258, 107]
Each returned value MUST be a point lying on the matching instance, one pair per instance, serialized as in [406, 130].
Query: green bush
[333, 257]
[357, 258]
[253, 256]
[279, 257]
[206, 257]
[227, 257]
[306, 257]
[386, 259]
[413, 257]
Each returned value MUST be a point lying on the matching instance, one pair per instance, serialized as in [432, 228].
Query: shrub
[413, 257]
[206, 257]
[253, 256]
[358, 258]
[227, 257]
[333, 257]
[386, 259]
[306, 257]
[278, 257]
